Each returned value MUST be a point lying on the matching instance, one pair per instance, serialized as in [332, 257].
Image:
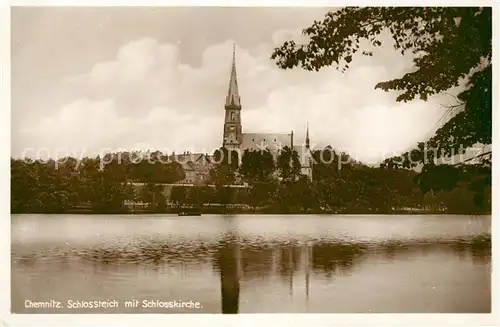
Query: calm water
[254, 264]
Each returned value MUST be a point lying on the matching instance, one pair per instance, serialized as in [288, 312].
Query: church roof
[197, 158]
[188, 166]
[233, 96]
[271, 141]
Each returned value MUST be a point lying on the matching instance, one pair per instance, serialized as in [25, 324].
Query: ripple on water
[156, 249]
[169, 258]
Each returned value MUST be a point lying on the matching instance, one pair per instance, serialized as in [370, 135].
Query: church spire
[307, 136]
[233, 96]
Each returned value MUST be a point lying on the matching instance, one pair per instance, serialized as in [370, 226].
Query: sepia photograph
[227, 160]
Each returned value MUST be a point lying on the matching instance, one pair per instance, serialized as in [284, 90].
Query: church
[235, 139]
[197, 165]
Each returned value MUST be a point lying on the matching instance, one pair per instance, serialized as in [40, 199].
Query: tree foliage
[224, 174]
[101, 183]
[338, 185]
[448, 44]
[288, 164]
[257, 166]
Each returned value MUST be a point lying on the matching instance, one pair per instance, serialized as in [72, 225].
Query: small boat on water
[189, 212]
[183, 213]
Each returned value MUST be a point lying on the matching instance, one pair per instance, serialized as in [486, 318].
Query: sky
[89, 80]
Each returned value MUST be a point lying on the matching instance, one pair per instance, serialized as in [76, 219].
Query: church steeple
[233, 96]
[232, 122]
[307, 136]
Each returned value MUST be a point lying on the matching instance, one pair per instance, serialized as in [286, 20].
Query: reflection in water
[308, 266]
[227, 260]
[252, 273]
[335, 257]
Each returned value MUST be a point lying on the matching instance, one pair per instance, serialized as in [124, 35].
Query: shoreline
[232, 213]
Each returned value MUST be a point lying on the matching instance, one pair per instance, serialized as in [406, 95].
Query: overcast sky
[88, 79]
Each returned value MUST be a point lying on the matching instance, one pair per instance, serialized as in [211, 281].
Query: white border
[7, 319]
[247, 3]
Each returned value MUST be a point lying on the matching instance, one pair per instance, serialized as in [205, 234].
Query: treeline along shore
[255, 183]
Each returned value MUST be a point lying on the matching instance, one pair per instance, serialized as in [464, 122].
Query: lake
[251, 264]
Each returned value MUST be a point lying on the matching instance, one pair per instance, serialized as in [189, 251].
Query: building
[196, 166]
[235, 139]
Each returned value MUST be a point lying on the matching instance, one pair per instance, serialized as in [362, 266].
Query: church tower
[308, 143]
[232, 135]
[307, 165]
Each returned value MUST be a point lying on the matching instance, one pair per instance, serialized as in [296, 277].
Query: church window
[232, 116]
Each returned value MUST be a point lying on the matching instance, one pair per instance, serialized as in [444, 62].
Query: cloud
[145, 95]
[93, 127]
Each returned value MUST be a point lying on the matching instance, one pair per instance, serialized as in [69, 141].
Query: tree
[152, 193]
[325, 164]
[179, 195]
[224, 174]
[225, 157]
[257, 166]
[257, 169]
[56, 187]
[225, 195]
[21, 181]
[288, 164]
[302, 194]
[151, 167]
[108, 191]
[261, 193]
[448, 44]
[206, 194]
[132, 194]
[198, 195]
